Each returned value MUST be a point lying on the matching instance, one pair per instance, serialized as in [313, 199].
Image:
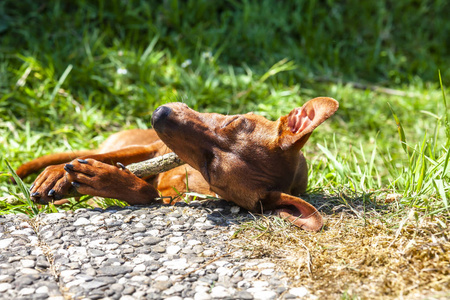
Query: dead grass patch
[358, 255]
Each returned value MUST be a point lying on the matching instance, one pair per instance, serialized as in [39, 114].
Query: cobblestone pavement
[152, 252]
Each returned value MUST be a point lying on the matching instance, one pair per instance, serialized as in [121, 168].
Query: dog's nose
[159, 115]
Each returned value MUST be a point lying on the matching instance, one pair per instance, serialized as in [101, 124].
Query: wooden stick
[155, 165]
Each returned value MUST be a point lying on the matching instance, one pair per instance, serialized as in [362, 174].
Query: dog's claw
[82, 161]
[75, 184]
[31, 187]
[68, 167]
[51, 193]
[36, 194]
[121, 166]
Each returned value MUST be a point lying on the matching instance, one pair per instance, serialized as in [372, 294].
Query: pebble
[150, 252]
[221, 292]
[299, 292]
[4, 287]
[173, 249]
[263, 294]
[5, 243]
[81, 221]
[28, 263]
[151, 240]
[113, 270]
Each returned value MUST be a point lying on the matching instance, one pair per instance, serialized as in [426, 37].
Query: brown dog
[246, 159]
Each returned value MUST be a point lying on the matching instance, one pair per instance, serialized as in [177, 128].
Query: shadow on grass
[360, 204]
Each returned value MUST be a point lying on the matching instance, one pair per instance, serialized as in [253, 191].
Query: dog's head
[244, 158]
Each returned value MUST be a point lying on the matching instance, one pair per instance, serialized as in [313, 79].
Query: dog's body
[246, 159]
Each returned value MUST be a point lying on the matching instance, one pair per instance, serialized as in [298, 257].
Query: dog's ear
[297, 126]
[295, 210]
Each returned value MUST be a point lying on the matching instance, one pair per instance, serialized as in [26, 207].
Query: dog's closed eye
[227, 123]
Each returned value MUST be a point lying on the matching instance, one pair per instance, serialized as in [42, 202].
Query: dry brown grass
[359, 255]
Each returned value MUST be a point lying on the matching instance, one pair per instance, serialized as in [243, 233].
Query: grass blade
[423, 166]
[446, 160]
[446, 123]
[149, 50]
[281, 66]
[23, 188]
[401, 132]
[439, 185]
[60, 82]
[337, 165]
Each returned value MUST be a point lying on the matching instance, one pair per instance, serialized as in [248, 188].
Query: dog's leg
[54, 184]
[95, 178]
[52, 159]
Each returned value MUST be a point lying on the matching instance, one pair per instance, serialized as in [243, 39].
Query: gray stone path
[154, 252]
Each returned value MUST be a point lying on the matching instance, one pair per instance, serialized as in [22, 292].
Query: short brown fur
[246, 159]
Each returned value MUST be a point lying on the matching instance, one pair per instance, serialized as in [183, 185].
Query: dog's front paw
[95, 178]
[51, 185]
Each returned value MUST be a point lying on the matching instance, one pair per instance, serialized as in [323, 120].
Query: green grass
[72, 73]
